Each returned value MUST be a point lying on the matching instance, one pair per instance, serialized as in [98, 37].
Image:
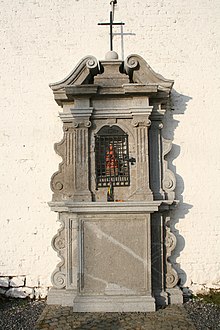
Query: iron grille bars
[112, 161]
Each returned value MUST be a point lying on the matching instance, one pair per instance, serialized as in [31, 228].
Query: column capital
[140, 116]
[80, 117]
[141, 122]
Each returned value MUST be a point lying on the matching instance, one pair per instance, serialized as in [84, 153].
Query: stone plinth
[106, 253]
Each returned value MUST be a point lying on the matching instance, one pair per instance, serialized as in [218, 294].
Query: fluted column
[81, 124]
[141, 125]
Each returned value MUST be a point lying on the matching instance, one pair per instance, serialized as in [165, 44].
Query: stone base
[116, 304]
[175, 296]
[61, 297]
[100, 303]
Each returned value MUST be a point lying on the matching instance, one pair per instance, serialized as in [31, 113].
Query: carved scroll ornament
[58, 277]
[170, 243]
[169, 179]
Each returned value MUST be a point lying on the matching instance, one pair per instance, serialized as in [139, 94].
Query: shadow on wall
[179, 104]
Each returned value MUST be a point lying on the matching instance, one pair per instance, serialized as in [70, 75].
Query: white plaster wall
[41, 42]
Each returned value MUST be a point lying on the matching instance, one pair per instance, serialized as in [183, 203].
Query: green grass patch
[213, 296]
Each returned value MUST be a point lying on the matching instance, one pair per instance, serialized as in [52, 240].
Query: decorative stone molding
[71, 180]
[141, 122]
[170, 243]
[140, 71]
[58, 277]
[87, 68]
[169, 179]
[130, 64]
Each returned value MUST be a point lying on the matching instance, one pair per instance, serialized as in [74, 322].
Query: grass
[213, 296]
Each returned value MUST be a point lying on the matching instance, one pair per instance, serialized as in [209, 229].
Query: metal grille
[112, 160]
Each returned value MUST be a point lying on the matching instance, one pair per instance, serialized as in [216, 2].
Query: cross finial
[111, 23]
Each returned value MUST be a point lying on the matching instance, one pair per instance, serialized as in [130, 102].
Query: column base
[61, 297]
[175, 296]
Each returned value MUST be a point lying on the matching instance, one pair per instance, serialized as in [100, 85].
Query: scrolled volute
[58, 280]
[171, 277]
[93, 65]
[130, 64]
[169, 181]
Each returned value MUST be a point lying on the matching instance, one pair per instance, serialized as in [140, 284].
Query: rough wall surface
[41, 43]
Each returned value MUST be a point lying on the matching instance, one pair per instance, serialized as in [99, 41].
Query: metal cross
[111, 23]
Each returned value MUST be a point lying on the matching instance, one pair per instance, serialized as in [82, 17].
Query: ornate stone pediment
[140, 72]
[83, 73]
[132, 76]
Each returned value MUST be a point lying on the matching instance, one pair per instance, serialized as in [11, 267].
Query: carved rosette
[170, 243]
[58, 277]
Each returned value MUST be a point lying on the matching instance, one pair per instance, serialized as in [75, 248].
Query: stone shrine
[113, 190]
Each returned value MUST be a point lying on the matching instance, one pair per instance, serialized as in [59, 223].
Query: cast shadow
[172, 120]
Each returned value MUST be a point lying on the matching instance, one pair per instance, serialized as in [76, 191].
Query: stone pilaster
[155, 151]
[72, 179]
[141, 124]
[81, 161]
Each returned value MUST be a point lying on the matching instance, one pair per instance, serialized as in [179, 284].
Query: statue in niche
[111, 162]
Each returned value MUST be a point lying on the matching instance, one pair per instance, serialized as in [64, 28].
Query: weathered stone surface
[4, 281]
[17, 281]
[20, 292]
[105, 248]
[117, 258]
[2, 291]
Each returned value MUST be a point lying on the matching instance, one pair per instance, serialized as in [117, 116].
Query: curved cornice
[141, 72]
[84, 71]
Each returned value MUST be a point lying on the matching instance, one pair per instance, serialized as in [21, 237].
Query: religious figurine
[111, 162]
